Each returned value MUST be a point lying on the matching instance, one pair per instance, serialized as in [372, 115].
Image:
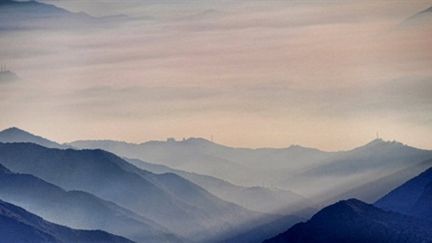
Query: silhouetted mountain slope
[411, 198]
[167, 199]
[77, 209]
[16, 135]
[423, 207]
[356, 222]
[259, 199]
[18, 225]
[266, 228]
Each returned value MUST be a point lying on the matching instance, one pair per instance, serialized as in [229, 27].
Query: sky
[249, 73]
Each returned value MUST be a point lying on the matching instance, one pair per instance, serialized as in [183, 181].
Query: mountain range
[167, 199]
[317, 174]
[255, 198]
[77, 209]
[86, 187]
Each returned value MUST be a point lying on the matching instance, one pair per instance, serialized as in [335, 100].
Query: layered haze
[249, 73]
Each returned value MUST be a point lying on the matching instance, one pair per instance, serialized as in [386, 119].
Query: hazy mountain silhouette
[261, 230]
[241, 166]
[19, 225]
[255, 198]
[357, 222]
[16, 135]
[294, 168]
[411, 198]
[378, 154]
[194, 155]
[168, 199]
[77, 209]
[31, 15]
[8, 77]
[371, 191]
[347, 170]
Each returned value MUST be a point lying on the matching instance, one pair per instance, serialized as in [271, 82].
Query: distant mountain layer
[256, 198]
[77, 209]
[371, 191]
[16, 135]
[19, 225]
[33, 15]
[412, 198]
[357, 222]
[167, 199]
[294, 168]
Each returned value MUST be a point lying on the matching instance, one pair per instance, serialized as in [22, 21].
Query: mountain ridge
[77, 209]
[158, 197]
[19, 225]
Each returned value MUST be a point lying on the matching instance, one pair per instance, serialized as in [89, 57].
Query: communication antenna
[377, 135]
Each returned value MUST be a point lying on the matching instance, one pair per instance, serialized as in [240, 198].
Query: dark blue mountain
[77, 209]
[16, 135]
[18, 225]
[423, 207]
[167, 199]
[262, 230]
[411, 198]
[353, 221]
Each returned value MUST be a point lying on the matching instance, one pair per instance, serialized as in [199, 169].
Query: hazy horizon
[249, 73]
[211, 139]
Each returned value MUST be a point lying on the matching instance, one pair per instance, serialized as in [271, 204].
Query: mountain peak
[379, 143]
[15, 130]
[17, 135]
[344, 208]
